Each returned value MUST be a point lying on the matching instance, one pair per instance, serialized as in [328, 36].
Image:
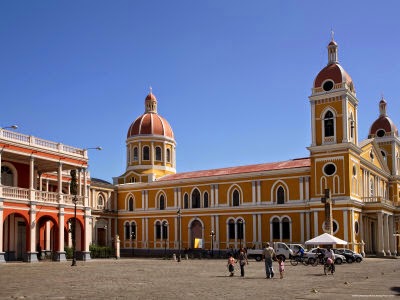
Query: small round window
[354, 171]
[328, 85]
[335, 226]
[356, 227]
[380, 133]
[371, 154]
[329, 169]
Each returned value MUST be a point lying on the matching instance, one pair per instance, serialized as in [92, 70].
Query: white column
[307, 188]
[380, 250]
[362, 232]
[315, 223]
[32, 230]
[32, 178]
[258, 191]
[259, 228]
[308, 225]
[216, 194]
[88, 233]
[392, 238]
[345, 226]
[254, 217]
[352, 239]
[301, 187]
[1, 227]
[302, 227]
[386, 236]
[143, 232]
[313, 143]
[253, 191]
[60, 251]
[59, 174]
[212, 196]
[216, 243]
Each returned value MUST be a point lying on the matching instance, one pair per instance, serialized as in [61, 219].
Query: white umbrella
[325, 239]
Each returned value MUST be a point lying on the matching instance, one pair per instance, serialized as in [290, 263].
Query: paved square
[207, 279]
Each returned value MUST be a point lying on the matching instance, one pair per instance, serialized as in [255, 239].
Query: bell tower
[334, 128]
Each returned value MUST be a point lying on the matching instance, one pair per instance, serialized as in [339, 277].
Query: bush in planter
[100, 251]
[69, 253]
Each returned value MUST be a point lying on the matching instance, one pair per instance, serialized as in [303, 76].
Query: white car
[312, 255]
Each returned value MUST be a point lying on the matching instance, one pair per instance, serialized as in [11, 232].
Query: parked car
[296, 248]
[281, 250]
[357, 257]
[312, 255]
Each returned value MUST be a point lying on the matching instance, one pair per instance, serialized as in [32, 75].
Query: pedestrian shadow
[396, 289]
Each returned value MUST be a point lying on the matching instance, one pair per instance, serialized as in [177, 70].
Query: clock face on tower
[328, 85]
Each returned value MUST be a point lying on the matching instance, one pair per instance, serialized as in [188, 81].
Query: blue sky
[231, 77]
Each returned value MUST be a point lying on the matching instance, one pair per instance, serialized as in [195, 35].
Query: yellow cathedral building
[160, 210]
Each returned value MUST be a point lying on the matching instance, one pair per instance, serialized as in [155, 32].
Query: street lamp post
[74, 191]
[10, 127]
[165, 224]
[240, 232]
[179, 235]
[212, 234]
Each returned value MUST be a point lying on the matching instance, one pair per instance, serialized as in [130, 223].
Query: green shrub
[69, 253]
[100, 251]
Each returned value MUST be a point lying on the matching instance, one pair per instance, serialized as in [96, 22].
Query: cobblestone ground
[373, 278]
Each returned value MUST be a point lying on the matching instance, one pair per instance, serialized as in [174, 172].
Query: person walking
[281, 266]
[231, 265]
[242, 260]
[269, 255]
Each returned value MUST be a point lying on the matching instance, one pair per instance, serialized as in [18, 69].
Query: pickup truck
[281, 250]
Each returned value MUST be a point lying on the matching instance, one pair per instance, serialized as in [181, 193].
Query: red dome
[150, 124]
[335, 72]
[151, 97]
[383, 124]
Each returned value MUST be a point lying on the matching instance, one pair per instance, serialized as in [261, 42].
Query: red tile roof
[289, 164]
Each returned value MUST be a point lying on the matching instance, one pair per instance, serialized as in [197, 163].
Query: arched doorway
[15, 237]
[46, 237]
[196, 232]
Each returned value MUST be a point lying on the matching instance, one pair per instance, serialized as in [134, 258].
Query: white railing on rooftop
[41, 143]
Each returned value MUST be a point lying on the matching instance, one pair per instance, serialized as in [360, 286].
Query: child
[231, 265]
[281, 266]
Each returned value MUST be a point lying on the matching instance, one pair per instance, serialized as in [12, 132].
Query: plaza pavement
[374, 278]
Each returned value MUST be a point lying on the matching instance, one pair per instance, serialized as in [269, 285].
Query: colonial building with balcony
[36, 206]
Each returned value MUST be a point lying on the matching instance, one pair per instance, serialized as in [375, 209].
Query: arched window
[235, 198]
[127, 232]
[205, 200]
[196, 199]
[158, 230]
[158, 153]
[164, 230]
[135, 154]
[231, 230]
[7, 177]
[168, 155]
[285, 228]
[162, 202]
[130, 204]
[100, 201]
[186, 201]
[280, 195]
[146, 153]
[276, 232]
[329, 124]
[371, 188]
[133, 231]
